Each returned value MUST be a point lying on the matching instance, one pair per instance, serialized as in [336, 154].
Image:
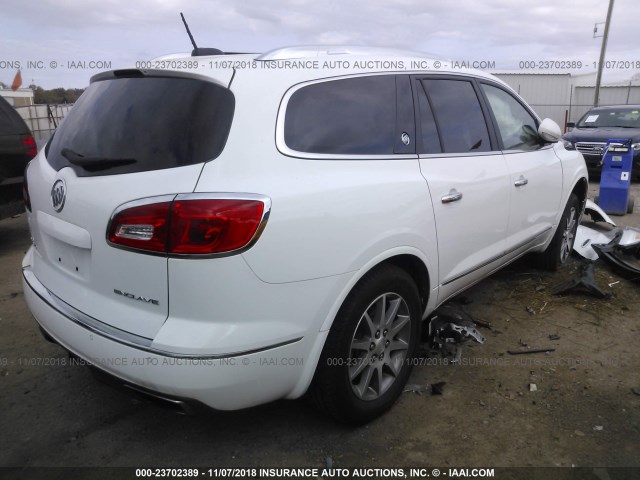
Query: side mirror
[549, 131]
[571, 124]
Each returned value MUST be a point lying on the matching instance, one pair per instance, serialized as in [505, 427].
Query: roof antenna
[199, 52]
[193, 42]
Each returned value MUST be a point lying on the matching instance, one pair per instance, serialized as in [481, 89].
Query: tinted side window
[429, 132]
[350, 116]
[516, 126]
[458, 115]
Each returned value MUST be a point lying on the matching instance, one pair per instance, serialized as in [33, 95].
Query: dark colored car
[17, 148]
[590, 134]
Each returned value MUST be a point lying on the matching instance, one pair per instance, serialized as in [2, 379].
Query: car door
[535, 171]
[467, 178]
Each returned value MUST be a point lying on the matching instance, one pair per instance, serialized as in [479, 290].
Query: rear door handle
[452, 196]
[520, 182]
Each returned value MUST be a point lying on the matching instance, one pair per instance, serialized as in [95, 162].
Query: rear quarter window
[346, 116]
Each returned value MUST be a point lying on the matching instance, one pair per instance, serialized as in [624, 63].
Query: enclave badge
[132, 296]
[58, 194]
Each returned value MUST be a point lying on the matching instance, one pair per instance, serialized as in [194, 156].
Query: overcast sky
[55, 32]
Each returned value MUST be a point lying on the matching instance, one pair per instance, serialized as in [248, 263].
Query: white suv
[232, 236]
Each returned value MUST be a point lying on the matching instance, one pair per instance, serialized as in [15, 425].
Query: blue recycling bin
[615, 179]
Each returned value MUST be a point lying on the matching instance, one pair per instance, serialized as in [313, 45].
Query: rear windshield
[127, 125]
[615, 117]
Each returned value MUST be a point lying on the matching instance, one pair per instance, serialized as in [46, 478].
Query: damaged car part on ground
[623, 252]
[448, 329]
[583, 282]
[313, 244]
[620, 247]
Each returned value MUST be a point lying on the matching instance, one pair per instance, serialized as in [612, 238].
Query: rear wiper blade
[97, 163]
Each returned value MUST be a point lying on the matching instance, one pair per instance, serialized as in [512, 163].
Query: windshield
[151, 122]
[615, 117]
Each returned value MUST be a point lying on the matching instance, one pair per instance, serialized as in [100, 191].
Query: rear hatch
[131, 135]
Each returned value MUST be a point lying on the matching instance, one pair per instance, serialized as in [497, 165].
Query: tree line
[53, 95]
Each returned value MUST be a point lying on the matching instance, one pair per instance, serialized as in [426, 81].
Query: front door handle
[452, 196]
[520, 182]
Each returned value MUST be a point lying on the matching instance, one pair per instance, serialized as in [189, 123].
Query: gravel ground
[582, 413]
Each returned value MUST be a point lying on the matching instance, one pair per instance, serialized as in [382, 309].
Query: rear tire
[366, 359]
[559, 250]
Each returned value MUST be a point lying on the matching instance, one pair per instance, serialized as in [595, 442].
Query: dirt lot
[583, 413]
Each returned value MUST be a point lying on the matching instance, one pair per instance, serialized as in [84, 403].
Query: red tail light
[32, 148]
[143, 227]
[190, 225]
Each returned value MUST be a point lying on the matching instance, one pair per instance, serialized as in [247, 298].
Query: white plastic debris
[629, 236]
[533, 387]
[597, 214]
[585, 237]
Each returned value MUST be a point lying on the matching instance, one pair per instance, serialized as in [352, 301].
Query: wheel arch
[409, 259]
[580, 189]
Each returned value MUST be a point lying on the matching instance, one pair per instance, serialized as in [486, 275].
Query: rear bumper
[224, 382]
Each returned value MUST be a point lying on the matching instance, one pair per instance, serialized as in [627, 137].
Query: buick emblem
[58, 194]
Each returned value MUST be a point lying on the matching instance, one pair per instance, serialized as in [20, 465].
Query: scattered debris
[584, 283]
[437, 388]
[531, 311]
[613, 283]
[598, 428]
[630, 236]
[434, 388]
[415, 388]
[482, 323]
[328, 462]
[554, 336]
[533, 387]
[625, 256]
[586, 237]
[635, 391]
[450, 327]
[597, 214]
[533, 350]
[540, 288]
[578, 433]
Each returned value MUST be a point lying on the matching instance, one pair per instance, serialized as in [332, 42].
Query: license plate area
[68, 258]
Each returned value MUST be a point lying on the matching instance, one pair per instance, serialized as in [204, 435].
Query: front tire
[559, 250]
[366, 360]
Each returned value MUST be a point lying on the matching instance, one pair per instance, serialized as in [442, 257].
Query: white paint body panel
[76, 238]
[331, 222]
[472, 230]
[534, 206]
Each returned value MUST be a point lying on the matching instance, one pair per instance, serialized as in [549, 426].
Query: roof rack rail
[307, 51]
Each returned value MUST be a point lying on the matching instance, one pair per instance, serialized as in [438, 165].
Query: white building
[565, 97]
[19, 98]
